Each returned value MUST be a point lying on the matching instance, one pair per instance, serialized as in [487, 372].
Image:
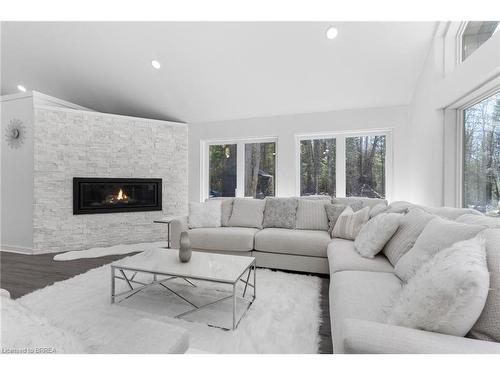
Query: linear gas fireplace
[107, 195]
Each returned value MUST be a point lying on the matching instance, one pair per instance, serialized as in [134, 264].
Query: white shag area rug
[285, 317]
[121, 249]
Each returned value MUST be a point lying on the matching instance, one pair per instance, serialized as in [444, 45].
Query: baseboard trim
[17, 249]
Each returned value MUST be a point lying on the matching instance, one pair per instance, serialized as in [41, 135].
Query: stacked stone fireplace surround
[70, 143]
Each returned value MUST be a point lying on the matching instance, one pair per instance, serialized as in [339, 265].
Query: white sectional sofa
[361, 289]
[280, 248]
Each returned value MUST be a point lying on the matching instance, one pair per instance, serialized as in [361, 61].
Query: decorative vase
[185, 248]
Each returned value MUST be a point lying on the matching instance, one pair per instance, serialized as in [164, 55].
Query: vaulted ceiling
[216, 71]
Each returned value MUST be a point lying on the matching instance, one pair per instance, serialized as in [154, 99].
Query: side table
[166, 220]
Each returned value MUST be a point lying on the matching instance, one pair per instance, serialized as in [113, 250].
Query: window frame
[240, 162]
[460, 149]
[340, 165]
[459, 42]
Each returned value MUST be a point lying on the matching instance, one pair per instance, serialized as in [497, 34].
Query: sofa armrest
[177, 226]
[365, 337]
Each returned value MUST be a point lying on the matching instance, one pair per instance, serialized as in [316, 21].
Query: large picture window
[317, 166]
[365, 166]
[344, 164]
[481, 155]
[242, 169]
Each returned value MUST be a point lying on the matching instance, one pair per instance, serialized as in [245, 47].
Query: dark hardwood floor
[22, 274]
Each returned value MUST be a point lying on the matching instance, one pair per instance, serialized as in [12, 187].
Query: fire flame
[121, 195]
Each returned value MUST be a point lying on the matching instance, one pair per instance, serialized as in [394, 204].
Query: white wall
[17, 177]
[286, 127]
[444, 86]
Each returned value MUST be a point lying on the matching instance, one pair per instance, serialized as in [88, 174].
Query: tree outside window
[481, 159]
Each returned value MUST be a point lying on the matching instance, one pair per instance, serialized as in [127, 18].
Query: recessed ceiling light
[21, 88]
[156, 64]
[332, 32]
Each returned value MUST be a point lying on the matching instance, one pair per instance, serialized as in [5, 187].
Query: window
[222, 164]
[317, 166]
[481, 155]
[249, 164]
[344, 164]
[260, 165]
[365, 166]
[475, 34]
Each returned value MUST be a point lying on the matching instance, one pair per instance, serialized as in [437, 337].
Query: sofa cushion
[205, 214]
[311, 214]
[366, 202]
[400, 207]
[223, 238]
[412, 224]
[359, 295]
[489, 221]
[227, 208]
[437, 235]
[342, 256]
[450, 212]
[280, 212]
[488, 325]
[247, 213]
[293, 241]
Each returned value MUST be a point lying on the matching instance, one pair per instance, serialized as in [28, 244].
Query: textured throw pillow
[378, 209]
[247, 213]
[489, 221]
[205, 214]
[412, 224]
[349, 223]
[437, 235]
[227, 208]
[311, 214]
[448, 293]
[374, 235]
[488, 325]
[280, 212]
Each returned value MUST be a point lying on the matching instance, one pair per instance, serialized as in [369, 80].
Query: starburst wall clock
[15, 133]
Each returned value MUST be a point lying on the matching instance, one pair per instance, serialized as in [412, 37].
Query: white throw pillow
[448, 293]
[437, 235]
[349, 223]
[205, 214]
[374, 235]
[247, 213]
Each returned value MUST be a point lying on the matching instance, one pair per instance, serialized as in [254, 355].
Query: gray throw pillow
[487, 326]
[437, 235]
[412, 224]
[280, 212]
[365, 202]
[333, 212]
[247, 213]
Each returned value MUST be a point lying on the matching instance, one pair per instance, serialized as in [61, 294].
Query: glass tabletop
[203, 266]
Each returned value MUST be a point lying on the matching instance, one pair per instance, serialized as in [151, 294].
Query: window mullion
[240, 169]
[340, 174]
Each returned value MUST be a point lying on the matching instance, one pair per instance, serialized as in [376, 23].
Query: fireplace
[108, 195]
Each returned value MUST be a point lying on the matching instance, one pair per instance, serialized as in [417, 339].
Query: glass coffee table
[164, 266]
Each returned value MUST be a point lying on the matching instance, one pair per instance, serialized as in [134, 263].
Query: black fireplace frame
[77, 210]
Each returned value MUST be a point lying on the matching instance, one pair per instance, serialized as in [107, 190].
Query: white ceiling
[216, 71]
